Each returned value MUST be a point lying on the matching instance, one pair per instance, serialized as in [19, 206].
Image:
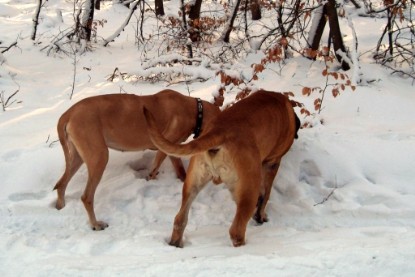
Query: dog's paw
[176, 243]
[99, 226]
[260, 219]
[237, 242]
[152, 176]
[60, 204]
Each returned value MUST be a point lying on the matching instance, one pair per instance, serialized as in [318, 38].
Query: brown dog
[241, 147]
[91, 126]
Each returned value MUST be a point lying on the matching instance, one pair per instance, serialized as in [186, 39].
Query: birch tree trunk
[86, 20]
[185, 28]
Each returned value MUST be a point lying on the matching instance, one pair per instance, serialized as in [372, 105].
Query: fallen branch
[115, 75]
[403, 73]
[9, 47]
[119, 30]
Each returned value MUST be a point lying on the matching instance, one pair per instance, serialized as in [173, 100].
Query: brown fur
[91, 126]
[241, 147]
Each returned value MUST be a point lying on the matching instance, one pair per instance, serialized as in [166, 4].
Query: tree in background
[159, 7]
[87, 20]
[36, 19]
[398, 52]
[223, 31]
[321, 15]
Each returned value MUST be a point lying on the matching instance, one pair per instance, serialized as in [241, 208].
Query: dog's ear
[297, 125]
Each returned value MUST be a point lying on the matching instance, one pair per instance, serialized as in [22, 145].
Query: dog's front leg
[178, 168]
[196, 179]
[158, 159]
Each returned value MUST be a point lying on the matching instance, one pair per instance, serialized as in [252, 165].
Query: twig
[325, 199]
[394, 70]
[74, 73]
[10, 46]
[5, 103]
[114, 75]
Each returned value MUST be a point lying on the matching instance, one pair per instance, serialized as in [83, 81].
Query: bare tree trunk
[335, 32]
[36, 19]
[356, 4]
[195, 10]
[87, 19]
[255, 10]
[387, 30]
[230, 27]
[319, 22]
[316, 30]
[194, 16]
[389, 26]
[159, 7]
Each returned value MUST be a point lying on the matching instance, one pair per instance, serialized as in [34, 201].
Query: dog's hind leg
[269, 171]
[245, 207]
[196, 180]
[246, 193]
[72, 163]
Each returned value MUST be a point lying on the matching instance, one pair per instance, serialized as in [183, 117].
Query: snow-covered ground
[343, 203]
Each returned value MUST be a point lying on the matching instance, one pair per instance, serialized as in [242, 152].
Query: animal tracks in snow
[23, 196]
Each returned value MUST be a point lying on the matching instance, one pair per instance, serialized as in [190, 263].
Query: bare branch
[9, 47]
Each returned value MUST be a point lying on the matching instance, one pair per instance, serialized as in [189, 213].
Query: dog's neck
[199, 118]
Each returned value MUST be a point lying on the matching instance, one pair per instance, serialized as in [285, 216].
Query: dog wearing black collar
[116, 121]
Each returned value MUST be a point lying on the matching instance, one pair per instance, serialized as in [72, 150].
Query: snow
[343, 202]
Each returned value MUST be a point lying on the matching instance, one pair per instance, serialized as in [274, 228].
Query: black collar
[199, 118]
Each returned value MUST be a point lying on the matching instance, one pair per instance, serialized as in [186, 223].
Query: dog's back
[251, 121]
[258, 117]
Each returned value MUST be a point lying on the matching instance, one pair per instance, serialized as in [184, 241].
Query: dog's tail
[63, 139]
[203, 143]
